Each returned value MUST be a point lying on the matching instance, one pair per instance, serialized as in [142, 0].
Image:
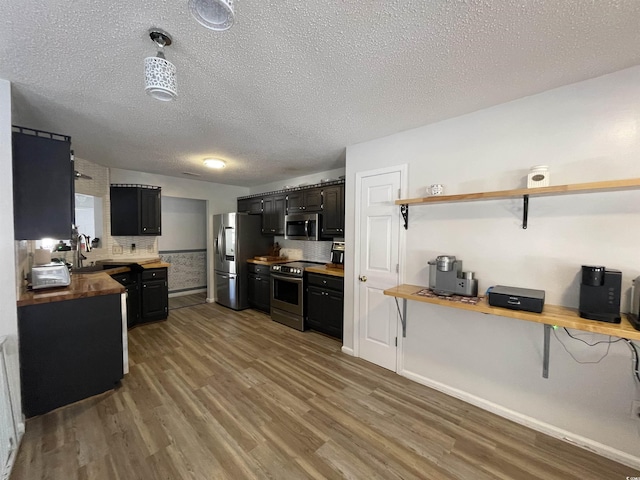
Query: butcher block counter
[88, 284]
[82, 285]
[268, 262]
[325, 270]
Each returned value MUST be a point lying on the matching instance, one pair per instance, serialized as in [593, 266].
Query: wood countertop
[82, 285]
[129, 261]
[269, 262]
[157, 264]
[87, 284]
[324, 270]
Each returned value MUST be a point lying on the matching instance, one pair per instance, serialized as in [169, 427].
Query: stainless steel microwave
[303, 226]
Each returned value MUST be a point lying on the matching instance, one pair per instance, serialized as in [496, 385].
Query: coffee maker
[337, 253]
[600, 291]
[447, 278]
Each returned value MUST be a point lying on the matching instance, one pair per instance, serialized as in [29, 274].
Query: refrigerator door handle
[221, 244]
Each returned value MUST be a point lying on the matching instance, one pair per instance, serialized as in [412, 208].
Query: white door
[379, 224]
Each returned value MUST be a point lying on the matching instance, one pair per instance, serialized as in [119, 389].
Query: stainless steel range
[287, 293]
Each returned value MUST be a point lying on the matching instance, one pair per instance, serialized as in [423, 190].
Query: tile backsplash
[303, 250]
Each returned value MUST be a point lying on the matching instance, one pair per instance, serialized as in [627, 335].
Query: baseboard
[546, 428]
[347, 350]
[181, 293]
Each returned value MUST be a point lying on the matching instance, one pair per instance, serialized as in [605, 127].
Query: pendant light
[214, 14]
[159, 73]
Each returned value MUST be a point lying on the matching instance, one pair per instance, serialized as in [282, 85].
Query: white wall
[184, 224]
[8, 292]
[588, 131]
[220, 199]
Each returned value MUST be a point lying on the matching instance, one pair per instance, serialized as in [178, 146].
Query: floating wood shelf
[552, 315]
[525, 193]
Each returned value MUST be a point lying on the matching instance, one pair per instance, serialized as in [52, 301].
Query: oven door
[287, 293]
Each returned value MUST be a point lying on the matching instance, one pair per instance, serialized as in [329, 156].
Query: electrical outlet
[150, 248]
[635, 409]
[117, 249]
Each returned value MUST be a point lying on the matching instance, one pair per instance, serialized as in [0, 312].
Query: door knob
[363, 278]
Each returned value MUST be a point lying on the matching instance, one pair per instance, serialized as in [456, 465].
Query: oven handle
[287, 278]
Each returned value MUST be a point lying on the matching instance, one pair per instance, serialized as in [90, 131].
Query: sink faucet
[79, 255]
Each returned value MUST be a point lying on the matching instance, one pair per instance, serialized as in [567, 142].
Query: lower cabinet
[147, 294]
[154, 295]
[259, 287]
[69, 350]
[325, 304]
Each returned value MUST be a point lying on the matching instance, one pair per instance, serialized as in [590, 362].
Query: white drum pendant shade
[213, 14]
[160, 78]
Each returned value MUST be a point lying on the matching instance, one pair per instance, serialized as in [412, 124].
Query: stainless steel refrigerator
[237, 238]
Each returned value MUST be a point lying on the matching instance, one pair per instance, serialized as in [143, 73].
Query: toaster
[50, 275]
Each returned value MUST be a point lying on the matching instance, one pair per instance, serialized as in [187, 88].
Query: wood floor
[216, 394]
[187, 300]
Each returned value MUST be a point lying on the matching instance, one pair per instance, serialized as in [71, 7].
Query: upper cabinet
[251, 206]
[333, 211]
[42, 185]
[324, 198]
[135, 210]
[274, 208]
[307, 200]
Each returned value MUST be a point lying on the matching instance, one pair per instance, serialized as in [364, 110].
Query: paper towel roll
[41, 256]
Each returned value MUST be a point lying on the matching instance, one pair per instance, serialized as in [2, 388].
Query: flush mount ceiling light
[213, 163]
[159, 73]
[214, 14]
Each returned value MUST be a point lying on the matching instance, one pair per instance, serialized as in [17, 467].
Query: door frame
[404, 178]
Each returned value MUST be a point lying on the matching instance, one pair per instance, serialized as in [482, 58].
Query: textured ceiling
[292, 83]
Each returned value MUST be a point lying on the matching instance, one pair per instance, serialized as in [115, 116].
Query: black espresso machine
[600, 291]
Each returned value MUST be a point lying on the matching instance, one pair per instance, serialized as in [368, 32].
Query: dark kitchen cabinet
[307, 200]
[135, 210]
[325, 304]
[131, 283]
[154, 295]
[274, 208]
[333, 211]
[252, 206]
[259, 287]
[69, 350]
[43, 200]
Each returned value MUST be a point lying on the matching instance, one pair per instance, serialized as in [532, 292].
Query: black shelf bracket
[525, 211]
[404, 211]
